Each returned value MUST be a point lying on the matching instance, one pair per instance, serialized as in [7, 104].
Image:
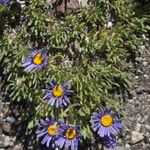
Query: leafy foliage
[80, 46]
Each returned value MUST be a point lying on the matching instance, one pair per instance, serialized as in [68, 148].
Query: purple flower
[57, 93]
[48, 130]
[109, 141]
[35, 60]
[105, 123]
[68, 136]
[4, 1]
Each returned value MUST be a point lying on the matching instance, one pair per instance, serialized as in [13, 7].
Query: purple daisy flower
[109, 141]
[4, 1]
[105, 123]
[48, 130]
[56, 93]
[35, 60]
[68, 136]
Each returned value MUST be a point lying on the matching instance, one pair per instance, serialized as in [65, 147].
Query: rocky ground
[7, 123]
[137, 114]
[136, 121]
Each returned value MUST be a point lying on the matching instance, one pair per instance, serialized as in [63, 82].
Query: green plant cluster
[93, 46]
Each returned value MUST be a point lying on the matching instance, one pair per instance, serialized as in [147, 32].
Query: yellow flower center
[71, 133]
[57, 91]
[52, 129]
[38, 59]
[106, 120]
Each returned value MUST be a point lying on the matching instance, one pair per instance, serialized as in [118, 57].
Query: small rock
[18, 147]
[136, 137]
[119, 141]
[136, 77]
[10, 120]
[84, 3]
[127, 137]
[145, 63]
[146, 76]
[109, 25]
[6, 141]
[138, 127]
[6, 127]
[14, 138]
[147, 127]
[139, 117]
[11, 143]
[127, 146]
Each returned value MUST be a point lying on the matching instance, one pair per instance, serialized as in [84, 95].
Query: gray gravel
[136, 119]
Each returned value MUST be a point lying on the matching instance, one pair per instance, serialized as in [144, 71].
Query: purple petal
[66, 99]
[115, 129]
[45, 61]
[62, 122]
[60, 101]
[51, 83]
[29, 68]
[68, 82]
[40, 131]
[52, 101]
[43, 122]
[101, 131]
[30, 56]
[45, 139]
[108, 131]
[117, 124]
[47, 119]
[95, 114]
[53, 118]
[72, 144]
[60, 142]
[39, 125]
[64, 102]
[48, 141]
[4, 1]
[43, 50]
[69, 91]
[95, 118]
[28, 62]
[107, 110]
[38, 67]
[41, 134]
[32, 49]
[96, 127]
[68, 143]
[57, 103]
[47, 95]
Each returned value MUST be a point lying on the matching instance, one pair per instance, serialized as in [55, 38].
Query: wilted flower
[68, 136]
[4, 1]
[109, 141]
[57, 93]
[35, 60]
[48, 130]
[105, 123]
